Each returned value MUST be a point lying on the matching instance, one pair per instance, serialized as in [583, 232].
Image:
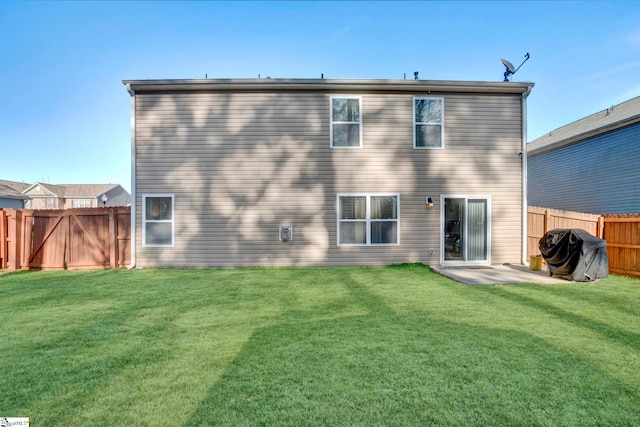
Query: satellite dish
[509, 66]
[510, 69]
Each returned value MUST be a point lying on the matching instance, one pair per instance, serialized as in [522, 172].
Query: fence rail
[69, 238]
[622, 233]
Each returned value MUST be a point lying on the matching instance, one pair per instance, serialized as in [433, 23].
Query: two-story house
[240, 172]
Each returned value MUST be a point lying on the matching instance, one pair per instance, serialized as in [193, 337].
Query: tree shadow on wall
[243, 164]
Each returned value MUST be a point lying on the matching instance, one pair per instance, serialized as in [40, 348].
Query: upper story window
[346, 121]
[157, 220]
[81, 203]
[368, 219]
[428, 122]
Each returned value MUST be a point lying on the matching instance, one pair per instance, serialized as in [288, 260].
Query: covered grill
[574, 254]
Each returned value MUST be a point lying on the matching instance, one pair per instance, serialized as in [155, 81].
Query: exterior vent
[286, 233]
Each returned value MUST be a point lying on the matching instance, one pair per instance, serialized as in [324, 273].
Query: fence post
[547, 217]
[113, 239]
[600, 227]
[26, 238]
[14, 249]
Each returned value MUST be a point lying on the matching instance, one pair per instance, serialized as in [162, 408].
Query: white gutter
[132, 243]
[525, 201]
[326, 85]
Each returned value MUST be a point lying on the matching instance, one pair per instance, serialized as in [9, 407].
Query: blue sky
[64, 113]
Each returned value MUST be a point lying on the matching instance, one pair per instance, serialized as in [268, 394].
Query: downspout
[133, 243]
[525, 201]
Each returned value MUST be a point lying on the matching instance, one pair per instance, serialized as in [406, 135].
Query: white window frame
[145, 220]
[81, 203]
[368, 218]
[440, 123]
[332, 122]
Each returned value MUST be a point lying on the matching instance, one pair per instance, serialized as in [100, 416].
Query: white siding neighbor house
[591, 165]
[300, 172]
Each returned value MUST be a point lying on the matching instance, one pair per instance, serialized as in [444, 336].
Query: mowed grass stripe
[399, 345]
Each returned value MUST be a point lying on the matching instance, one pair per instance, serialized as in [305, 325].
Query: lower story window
[157, 220]
[368, 219]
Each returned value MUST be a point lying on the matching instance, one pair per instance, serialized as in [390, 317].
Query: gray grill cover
[574, 254]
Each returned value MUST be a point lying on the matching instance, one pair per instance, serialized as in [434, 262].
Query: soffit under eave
[14, 196]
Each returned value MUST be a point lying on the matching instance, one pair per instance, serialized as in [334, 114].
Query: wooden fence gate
[70, 238]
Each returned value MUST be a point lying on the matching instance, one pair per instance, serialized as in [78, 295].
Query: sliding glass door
[465, 229]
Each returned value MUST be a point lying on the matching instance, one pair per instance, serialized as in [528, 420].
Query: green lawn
[394, 346]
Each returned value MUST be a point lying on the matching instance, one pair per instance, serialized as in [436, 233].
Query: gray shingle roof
[15, 185]
[13, 190]
[85, 191]
[612, 118]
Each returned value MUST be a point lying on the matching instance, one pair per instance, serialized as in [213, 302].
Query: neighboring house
[591, 165]
[11, 194]
[66, 196]
[327, 172]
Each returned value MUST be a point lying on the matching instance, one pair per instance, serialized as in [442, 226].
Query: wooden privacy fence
[69, 238]
[622, 233]
[541, 220]
[101, 237]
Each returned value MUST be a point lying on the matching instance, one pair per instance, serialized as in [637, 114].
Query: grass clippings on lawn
[315, 346]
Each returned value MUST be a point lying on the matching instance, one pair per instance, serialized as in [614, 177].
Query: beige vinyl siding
[242, 164]
[43, 203]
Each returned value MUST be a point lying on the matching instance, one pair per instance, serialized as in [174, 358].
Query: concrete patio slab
[498, 274]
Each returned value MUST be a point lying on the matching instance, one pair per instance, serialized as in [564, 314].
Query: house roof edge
[327, 85]
[533, 150]
[618, 116]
